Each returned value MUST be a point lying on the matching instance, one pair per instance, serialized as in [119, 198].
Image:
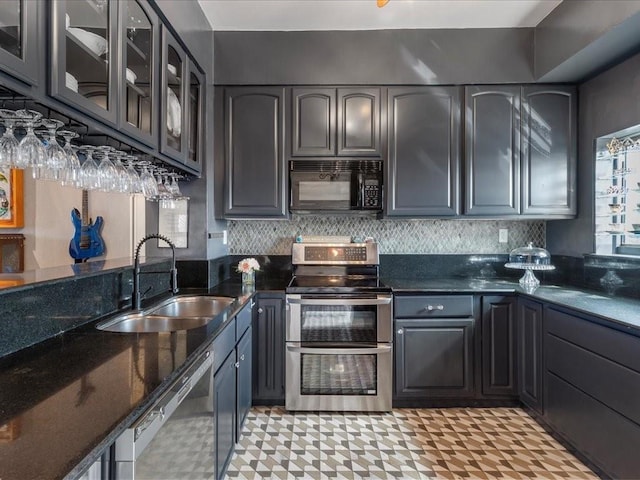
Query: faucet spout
[136, 295]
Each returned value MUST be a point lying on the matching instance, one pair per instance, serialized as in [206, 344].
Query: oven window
[338, 323]
[338, 374]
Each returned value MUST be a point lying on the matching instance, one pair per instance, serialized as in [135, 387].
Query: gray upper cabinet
[492, 150]
[330, 122]
[424, 151]
[19, 54]
[139, 34]
[359, 122]
[84, 56]
[549, 143]
[313, 122]
[255, 180]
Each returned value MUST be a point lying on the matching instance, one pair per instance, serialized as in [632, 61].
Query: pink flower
[247, 265]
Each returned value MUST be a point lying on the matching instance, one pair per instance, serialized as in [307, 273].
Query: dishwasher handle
[341, 301]
[340, 351]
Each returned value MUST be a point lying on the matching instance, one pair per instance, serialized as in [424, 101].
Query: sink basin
[176, 313]
[191, 306]
[140, 323]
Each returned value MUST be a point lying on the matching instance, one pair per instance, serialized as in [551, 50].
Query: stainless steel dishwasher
[175, 437]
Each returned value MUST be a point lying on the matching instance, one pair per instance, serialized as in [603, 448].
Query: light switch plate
[503, 235]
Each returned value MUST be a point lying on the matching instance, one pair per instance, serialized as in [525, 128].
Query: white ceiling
[284, 15]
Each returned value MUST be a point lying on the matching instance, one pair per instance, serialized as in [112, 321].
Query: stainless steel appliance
[174, 438]
[343, 185]
[339, 354]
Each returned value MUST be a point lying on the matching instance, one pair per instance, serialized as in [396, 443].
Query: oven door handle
[340, 301]
[338, 351]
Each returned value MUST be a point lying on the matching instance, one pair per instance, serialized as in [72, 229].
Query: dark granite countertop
[66, 400]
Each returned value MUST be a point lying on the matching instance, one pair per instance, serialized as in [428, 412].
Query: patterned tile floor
[482, 443]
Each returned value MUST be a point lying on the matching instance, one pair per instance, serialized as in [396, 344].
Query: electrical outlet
[224, 237]
[503, 235]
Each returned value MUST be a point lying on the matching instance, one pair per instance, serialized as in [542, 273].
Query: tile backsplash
[262, 237]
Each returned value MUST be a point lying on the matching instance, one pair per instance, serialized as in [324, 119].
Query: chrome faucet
[137, 296]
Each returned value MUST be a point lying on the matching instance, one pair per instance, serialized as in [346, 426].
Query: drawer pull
[431, 308]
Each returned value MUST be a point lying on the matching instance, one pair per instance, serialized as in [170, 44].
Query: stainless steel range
[339, 329]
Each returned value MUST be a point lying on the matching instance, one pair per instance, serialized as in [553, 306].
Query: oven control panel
[335, 254]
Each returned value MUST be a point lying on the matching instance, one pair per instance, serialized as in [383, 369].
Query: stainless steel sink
[176, 313]
[140, 323]
[192, 306]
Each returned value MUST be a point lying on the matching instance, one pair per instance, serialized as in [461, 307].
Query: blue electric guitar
[86, 241]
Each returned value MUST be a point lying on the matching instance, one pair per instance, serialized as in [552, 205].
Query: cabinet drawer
[605, 437]
[607, 342]
[606, 381]
[224, 344]
[432, 306]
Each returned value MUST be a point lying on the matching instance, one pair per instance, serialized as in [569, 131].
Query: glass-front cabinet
[617, 195]
[195, 116]
[84, 55]
[173, 139]
[139, 37]
[19, 54]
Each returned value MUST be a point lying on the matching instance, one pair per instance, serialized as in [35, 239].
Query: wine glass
[56, 156]
[134, 178]
[32, 152]
[149, 185]
[174, 188]
[71, 172]
[123, 181]
[9, 145]
[106, 169]
[89, 176]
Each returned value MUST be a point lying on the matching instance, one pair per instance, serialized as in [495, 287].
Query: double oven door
[339, 352]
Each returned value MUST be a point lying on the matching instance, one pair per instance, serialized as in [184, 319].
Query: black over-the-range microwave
[335, 185]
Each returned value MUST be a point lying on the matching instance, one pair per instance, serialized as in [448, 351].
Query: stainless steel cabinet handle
[340, 351]
[260, 310]
[242, 357]
[340, 301]
[400, 331]
[237, 365]
[434, 307]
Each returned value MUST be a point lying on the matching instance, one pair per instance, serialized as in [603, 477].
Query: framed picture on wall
[11, 198]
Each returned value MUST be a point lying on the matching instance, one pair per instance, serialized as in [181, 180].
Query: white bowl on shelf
[93, 42]
[174, 114]
[131, 76]
[172, 69]
[71, 82]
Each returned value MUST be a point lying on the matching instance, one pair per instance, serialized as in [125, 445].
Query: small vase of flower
[248, 267]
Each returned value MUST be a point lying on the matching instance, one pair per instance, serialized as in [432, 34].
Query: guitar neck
[85, 207]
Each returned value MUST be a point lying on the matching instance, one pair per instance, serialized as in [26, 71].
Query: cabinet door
[269, 351]
[19, 55]
[224, 384]
[313, 122]
[499, 372]
[549, 146]
[359, 122]
[244, 381]
[434, 358]
[530, 353]
[424, 153]
[255, 174]
[139, 34]
[195, 116]
[492, 153]
[173, 115]
[84, 56]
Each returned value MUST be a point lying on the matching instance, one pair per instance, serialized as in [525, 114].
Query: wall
[607, 103]
[393, 236]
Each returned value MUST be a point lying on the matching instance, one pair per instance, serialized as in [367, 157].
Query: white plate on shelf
[131, 76]
[93, 42]
[174, 114]
[71, 82]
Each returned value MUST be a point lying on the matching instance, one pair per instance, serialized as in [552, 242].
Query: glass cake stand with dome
[530, 258]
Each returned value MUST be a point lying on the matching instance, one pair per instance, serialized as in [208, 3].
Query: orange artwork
[11, 198]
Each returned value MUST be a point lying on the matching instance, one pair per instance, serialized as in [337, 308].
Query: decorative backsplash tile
[260, 237]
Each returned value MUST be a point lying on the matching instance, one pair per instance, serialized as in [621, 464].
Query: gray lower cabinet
[269, 350]
[433, 346]
[530, 354]
[592, 383]
[423, 151]
[224, 384]
[499, 359]
[549, 150]
[255, 177]
[244, 365]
